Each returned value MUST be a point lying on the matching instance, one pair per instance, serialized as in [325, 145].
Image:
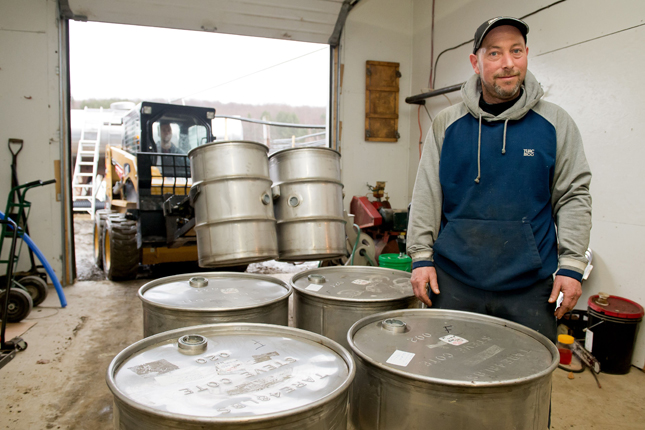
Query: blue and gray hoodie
[501, 202]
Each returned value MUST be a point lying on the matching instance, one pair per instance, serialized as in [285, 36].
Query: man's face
[501, 63]
[166, 135]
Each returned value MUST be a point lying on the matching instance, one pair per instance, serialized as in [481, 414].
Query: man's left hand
[572, 290]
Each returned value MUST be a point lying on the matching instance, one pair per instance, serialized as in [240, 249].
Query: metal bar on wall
[67, 226]
[337, 134]
[334, 94]
[419, 99]
[330, 103]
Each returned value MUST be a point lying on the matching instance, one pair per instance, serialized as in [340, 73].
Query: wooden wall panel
[381, 101]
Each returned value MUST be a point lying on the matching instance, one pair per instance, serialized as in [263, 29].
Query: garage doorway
[252, 83]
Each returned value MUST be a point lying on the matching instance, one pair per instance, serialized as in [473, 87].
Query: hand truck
[8, 349]
[18, 208]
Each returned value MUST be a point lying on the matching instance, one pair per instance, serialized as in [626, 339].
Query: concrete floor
[59, 381]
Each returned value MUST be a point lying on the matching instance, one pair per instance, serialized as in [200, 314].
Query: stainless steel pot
[218, 297]
[234, 219]
[231, 376]
[330, 300]
[449, 370]
[309, 203]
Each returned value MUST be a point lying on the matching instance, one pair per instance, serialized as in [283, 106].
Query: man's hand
[421, 277]
[572, 290]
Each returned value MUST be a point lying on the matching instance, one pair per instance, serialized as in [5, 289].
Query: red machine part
[365, 214]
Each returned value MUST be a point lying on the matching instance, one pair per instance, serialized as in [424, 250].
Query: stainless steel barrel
[329, 300]
[231, 376]
[234, 219]
[309, 203]
[218, 297]
[420, 369]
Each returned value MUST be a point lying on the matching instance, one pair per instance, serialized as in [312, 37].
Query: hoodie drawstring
[504, 144]
[479, 148]
[479, 151]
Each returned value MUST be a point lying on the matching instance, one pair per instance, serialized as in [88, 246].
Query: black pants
[527, 306]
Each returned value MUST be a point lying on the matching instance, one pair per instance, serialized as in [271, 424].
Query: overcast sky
[123, 61]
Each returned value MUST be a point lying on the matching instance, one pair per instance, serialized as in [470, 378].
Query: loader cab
[181, 132]
[190, 126]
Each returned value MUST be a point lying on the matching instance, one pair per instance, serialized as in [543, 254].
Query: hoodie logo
[529, 152]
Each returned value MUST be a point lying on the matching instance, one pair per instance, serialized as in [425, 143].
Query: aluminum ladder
[87, 154]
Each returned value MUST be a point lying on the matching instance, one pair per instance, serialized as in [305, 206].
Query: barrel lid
[354, 284]
[615, 306]
[453, 347]
[230, 372]
[227, 142]
[214, 291]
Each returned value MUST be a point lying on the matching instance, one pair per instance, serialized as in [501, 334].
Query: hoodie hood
[472, 89]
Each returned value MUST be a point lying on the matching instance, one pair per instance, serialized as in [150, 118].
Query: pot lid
[453, 347]
[222, 143]
[302, 149]
[214, 291]
[224, 372]
[615, 306]
[355, 283]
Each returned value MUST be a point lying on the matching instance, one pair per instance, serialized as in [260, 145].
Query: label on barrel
[314, 287]
[453, 340]
[400, 358]
[589, 341]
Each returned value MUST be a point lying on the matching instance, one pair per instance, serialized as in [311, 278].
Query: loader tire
[120, 253]
[99, 227]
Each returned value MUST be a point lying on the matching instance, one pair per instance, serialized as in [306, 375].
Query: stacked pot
[240, 218]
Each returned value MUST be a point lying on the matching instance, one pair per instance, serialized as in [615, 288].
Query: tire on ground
[19, 306]
[99, 227]
[120, 253]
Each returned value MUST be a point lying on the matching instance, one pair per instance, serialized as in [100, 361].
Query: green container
[396, 261]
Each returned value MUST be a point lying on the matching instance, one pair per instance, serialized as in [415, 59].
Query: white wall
[29, 110]
[377, 30]
[596, 76]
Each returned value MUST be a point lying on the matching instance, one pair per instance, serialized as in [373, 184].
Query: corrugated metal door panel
[301, 20]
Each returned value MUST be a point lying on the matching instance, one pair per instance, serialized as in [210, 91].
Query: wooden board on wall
[381, 101]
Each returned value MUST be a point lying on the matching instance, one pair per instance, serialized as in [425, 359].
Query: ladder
[87, 154]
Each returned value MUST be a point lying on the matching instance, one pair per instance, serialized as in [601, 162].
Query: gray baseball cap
[487, 26]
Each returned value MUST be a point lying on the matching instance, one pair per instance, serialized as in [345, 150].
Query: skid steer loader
[148, 219]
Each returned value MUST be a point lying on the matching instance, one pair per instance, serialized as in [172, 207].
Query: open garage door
[301, 20]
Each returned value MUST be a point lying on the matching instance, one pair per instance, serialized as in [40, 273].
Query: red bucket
[611, 331]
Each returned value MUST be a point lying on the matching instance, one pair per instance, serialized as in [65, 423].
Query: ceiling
[301, 20]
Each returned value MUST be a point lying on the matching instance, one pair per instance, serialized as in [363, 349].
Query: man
[499, 172]
[165, 144]
[172, 166]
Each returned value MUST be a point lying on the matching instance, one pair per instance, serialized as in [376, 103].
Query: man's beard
[501, 92]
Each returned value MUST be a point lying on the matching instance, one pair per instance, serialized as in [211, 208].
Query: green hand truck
[18, 296]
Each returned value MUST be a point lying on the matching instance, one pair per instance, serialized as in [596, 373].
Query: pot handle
[195, 190]
[275, 191]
